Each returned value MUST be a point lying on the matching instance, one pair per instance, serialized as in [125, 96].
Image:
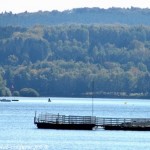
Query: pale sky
[17, 6]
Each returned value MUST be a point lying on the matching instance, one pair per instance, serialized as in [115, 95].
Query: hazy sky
[17, 6]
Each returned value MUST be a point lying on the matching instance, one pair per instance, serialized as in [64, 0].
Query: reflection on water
[17, 130]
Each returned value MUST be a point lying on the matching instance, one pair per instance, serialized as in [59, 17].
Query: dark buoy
[49, 100]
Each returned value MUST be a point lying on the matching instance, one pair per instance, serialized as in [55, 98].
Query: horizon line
[113, 7]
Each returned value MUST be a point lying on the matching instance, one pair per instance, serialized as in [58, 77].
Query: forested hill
[64, 60]
[132, 16]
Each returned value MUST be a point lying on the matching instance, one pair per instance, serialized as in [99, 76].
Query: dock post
[35, 118]
[92, 98]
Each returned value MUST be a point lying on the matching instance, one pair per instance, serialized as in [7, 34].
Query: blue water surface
[18, 132]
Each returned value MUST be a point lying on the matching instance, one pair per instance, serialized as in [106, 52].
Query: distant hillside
[64, 60]
[133, 16]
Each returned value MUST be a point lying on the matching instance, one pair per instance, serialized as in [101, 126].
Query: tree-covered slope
[132, 16]
[64, 60]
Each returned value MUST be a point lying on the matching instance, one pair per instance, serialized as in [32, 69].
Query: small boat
[15, 100]
[5, 100]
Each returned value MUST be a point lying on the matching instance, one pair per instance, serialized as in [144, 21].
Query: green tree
[28, 92]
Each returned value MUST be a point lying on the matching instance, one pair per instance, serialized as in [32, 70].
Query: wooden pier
[52, 121]
[138, 124]
[57, 121]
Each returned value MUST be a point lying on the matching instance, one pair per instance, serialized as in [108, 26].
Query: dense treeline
[64, 60]
[132, 16]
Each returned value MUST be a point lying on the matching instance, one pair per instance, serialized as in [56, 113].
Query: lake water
[18, 132]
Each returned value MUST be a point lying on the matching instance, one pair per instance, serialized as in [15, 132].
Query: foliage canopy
[63, 60]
